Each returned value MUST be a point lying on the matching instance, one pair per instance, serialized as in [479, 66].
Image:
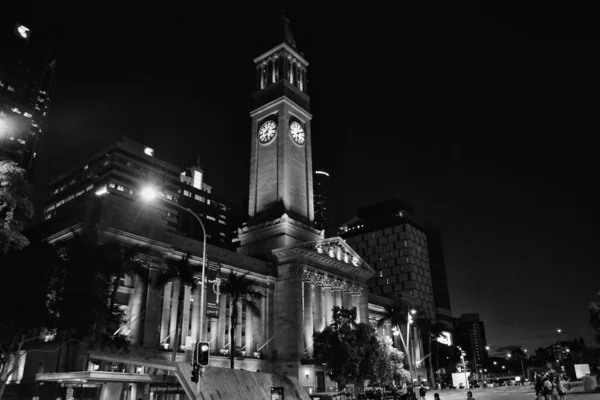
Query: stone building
[301, 274]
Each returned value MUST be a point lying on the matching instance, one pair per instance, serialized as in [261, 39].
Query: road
[498, 393]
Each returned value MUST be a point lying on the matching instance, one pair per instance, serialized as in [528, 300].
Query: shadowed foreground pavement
[506, 393]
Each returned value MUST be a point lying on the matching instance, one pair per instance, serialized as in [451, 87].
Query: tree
[181, 272]
[121, 261]
[82, 291]
[26, 305]
[396, 317]
[16, 207]
[352, 352]
[241, 291]
[594, 311]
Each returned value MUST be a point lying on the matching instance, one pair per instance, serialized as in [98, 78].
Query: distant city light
[22, 31]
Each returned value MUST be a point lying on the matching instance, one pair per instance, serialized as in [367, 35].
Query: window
[11, 89]
[186, 193]
[222, 216]
[222, 222]
[111, 185]
[211, 218]
[169, 197]
[197, 180]
[120, 188]
[199, 198]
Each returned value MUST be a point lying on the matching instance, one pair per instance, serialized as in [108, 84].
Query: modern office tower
[121, 171]
[469, 333]
[26, 73]
[321, 201]
[386, 236]
[439, 277]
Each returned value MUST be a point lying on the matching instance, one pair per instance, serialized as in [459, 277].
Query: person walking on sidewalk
[422, 392]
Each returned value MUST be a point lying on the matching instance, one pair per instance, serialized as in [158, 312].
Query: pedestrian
[469, 395]
[562, 390]
[436, 396]
[422, 392]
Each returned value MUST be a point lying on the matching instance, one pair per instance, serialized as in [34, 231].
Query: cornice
[334, 253]
[326, 280]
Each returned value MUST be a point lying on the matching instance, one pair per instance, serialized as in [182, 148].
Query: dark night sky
[481, 118]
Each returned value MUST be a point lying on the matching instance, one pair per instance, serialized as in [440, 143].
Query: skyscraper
[437, 264]
[26, 73]
[115, 177]
[321, 200]
[469, 333]
[386, 236]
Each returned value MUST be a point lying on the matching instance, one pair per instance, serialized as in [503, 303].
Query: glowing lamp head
[148, 193]
[204, 347]
[413, 311]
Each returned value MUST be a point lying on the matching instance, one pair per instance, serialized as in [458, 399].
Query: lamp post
[149, 194]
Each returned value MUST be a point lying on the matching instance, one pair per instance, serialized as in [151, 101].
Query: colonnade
[320, 293]
[281, 65]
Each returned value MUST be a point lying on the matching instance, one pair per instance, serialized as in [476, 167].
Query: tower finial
[288, 37]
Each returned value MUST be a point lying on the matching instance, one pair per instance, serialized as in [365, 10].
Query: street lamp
[150, 193]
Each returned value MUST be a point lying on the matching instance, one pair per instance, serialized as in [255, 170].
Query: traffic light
[410, 319]
[195, 374]
[202, 354]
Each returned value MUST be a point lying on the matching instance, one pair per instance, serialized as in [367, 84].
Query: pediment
[334, 253]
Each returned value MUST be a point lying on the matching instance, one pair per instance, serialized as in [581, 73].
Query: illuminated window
[149, 152]
[11, 89]
[120, 188]
[186, 193]
[211, 218]
[222, 222]
[15, 109]
[197, 180]
[169, 197]
[199, 198]
[111, 185]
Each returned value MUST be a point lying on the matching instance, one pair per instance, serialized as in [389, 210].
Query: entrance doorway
[320, 381]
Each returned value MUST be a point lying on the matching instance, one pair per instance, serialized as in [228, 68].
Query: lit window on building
[111, 185]
[149, 151]
[186, 193]
[222, 222]
[169, 197]
[197, 180]
[15, 110]
[120, 188]
[11, 89]
[211, 218]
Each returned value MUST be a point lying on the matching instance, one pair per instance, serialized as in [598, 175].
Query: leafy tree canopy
[16, 207]
[354, 353]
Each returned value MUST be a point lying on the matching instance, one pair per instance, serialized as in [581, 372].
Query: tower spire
[286, 31]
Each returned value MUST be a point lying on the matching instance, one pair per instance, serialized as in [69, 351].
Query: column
[354, 303]
[214, 334]
[135, 310]
[185, 315]
[363, 303]
[166, 309]
[221, 333]
[152, 317]
[249, 326]
[195, 314]
[328, 300]
[239, 327]
[337, 298]
[264, 323]
[308, 319]
[318, 308]
[174, 311]
[346, 300]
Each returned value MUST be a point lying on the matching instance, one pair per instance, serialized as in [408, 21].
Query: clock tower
[281, 189]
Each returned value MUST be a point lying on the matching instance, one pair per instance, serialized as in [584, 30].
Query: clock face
[297, 132]
[267, 132]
